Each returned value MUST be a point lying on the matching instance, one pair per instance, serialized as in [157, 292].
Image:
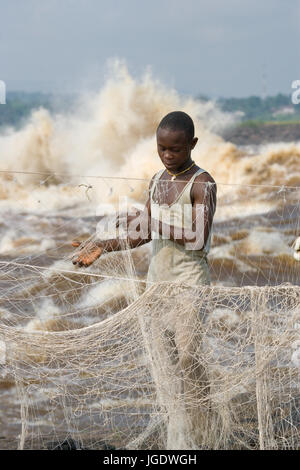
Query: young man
[178, 214]
[177, 218]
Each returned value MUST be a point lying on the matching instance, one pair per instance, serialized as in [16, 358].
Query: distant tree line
[19, 105]
[271, 108]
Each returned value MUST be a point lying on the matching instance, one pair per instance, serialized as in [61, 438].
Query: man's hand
[89, 252]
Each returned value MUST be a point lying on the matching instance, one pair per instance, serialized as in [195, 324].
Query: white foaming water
[9, 244]
[260, 242]
[295, 357]
[106, 291]
[112, 133]
[47, 314]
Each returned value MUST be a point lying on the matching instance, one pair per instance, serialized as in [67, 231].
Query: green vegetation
[252, 111]
[19, 106]
[256, 110]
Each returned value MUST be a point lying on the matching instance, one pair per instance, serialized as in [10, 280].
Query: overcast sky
[213, 47]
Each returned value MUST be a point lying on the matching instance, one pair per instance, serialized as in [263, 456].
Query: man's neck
[183, 167]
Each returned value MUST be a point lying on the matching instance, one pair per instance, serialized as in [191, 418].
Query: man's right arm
[138, 232]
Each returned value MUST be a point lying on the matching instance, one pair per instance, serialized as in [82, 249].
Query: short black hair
[178, 121]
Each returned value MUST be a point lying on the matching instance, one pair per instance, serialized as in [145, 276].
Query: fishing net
[96, 358]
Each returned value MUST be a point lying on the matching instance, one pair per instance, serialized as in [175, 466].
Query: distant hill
[273, 119]
[272, 108]
[19, 105]
[277, 108]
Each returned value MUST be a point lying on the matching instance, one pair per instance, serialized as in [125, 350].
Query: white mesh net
[93, 356]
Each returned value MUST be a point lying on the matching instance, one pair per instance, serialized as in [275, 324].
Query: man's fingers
[86, 259]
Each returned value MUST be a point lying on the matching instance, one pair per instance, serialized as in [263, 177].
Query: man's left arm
[204, 195]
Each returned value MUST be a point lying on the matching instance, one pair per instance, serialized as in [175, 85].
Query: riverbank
[254, 132]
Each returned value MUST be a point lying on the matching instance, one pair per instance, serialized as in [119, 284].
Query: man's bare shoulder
[208, 188]
[207, 182]
[205, 177]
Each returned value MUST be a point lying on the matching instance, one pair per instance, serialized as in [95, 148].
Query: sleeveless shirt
[171, 261]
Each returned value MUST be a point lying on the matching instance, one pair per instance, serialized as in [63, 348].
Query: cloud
[213, 47]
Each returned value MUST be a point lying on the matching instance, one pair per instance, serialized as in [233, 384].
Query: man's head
[175, 140]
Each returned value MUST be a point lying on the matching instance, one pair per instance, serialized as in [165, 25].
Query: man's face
[174, 148]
